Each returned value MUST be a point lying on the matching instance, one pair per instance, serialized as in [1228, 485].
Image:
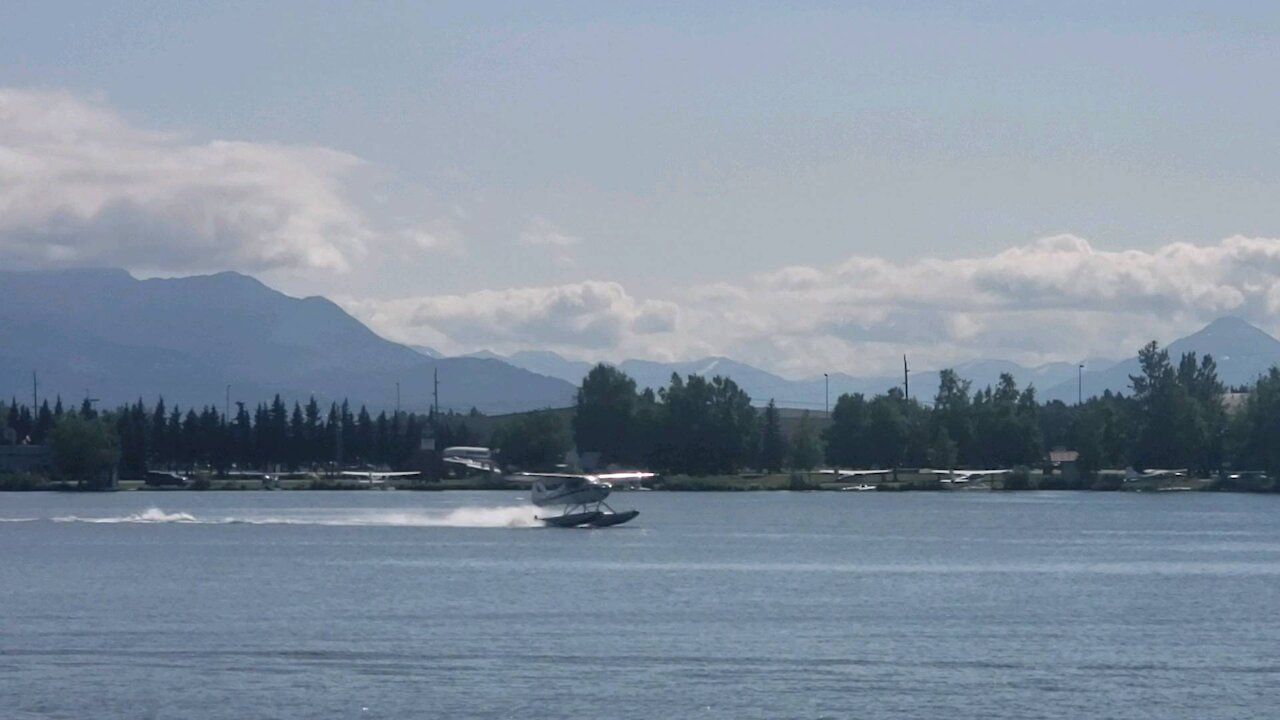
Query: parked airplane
[379, 475]
[373, 477]
[472, 458]
[1131, 475]
[581, 496]
[846, 474]
[960, 477]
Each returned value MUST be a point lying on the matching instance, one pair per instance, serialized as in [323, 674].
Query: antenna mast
[906, 378]
[435, 392]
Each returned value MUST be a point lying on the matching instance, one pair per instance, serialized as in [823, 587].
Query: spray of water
[512, 516]
[150, 515]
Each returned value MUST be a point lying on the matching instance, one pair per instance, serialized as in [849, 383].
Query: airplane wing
[1159, 473]
[529, 478]
[861, 473]
[371, 475]
[635, 475]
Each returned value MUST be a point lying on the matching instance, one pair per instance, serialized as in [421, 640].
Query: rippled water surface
[761, 605]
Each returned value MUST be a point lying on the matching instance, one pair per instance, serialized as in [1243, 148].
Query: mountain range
[106, 334]
[811, 393]
[1241, 350]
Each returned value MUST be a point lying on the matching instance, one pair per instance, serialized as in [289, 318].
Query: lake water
[709, 605]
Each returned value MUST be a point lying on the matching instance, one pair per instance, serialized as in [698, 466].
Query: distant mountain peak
[1228, 336]
[189, 338]
[1231, 325]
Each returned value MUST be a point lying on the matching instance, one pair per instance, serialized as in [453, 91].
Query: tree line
[269, 436]
[1173, 417]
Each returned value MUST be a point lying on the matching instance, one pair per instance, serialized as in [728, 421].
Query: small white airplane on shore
[374, 477]
[1131, 475]
[959, 477]
[846, 474]
[581, 496]
[479, 459]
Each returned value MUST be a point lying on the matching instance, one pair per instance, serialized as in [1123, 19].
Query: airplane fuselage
[570, 490]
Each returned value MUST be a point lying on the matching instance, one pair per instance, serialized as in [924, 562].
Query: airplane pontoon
[581, 496]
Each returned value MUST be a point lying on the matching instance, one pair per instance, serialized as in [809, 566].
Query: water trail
[511, 516]
[150, 515]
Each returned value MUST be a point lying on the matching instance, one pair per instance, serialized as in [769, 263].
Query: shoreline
[720, 483]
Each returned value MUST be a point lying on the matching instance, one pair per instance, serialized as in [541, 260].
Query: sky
[806, 187]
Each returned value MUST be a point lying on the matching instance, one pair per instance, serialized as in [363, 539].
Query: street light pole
[1080, 384]
[826, 394]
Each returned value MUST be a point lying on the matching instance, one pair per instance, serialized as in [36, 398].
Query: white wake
[150, 515]
[510, 516]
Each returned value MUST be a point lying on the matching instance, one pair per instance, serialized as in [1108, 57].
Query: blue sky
[614, 180]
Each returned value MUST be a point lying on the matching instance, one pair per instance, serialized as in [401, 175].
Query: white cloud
[541, 232]
[440, 235]
[81, 186]
[596, 316]
[1058, 298]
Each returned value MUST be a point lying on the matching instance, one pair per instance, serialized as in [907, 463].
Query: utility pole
[906, 379]
[397, 398]
[35, 393]
[226, 407]
[1080, 384]
[435, 393]
[826, 394]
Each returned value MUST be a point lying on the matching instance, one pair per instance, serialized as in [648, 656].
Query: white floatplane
[479, 459]
[960, 477]
[581, 496]
[375, 478]
[1131, 475]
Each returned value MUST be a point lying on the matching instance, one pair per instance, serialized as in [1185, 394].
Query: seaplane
[376, 478]
[479, 459]
[581, 496]
[1132, 475]
[960, 477]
